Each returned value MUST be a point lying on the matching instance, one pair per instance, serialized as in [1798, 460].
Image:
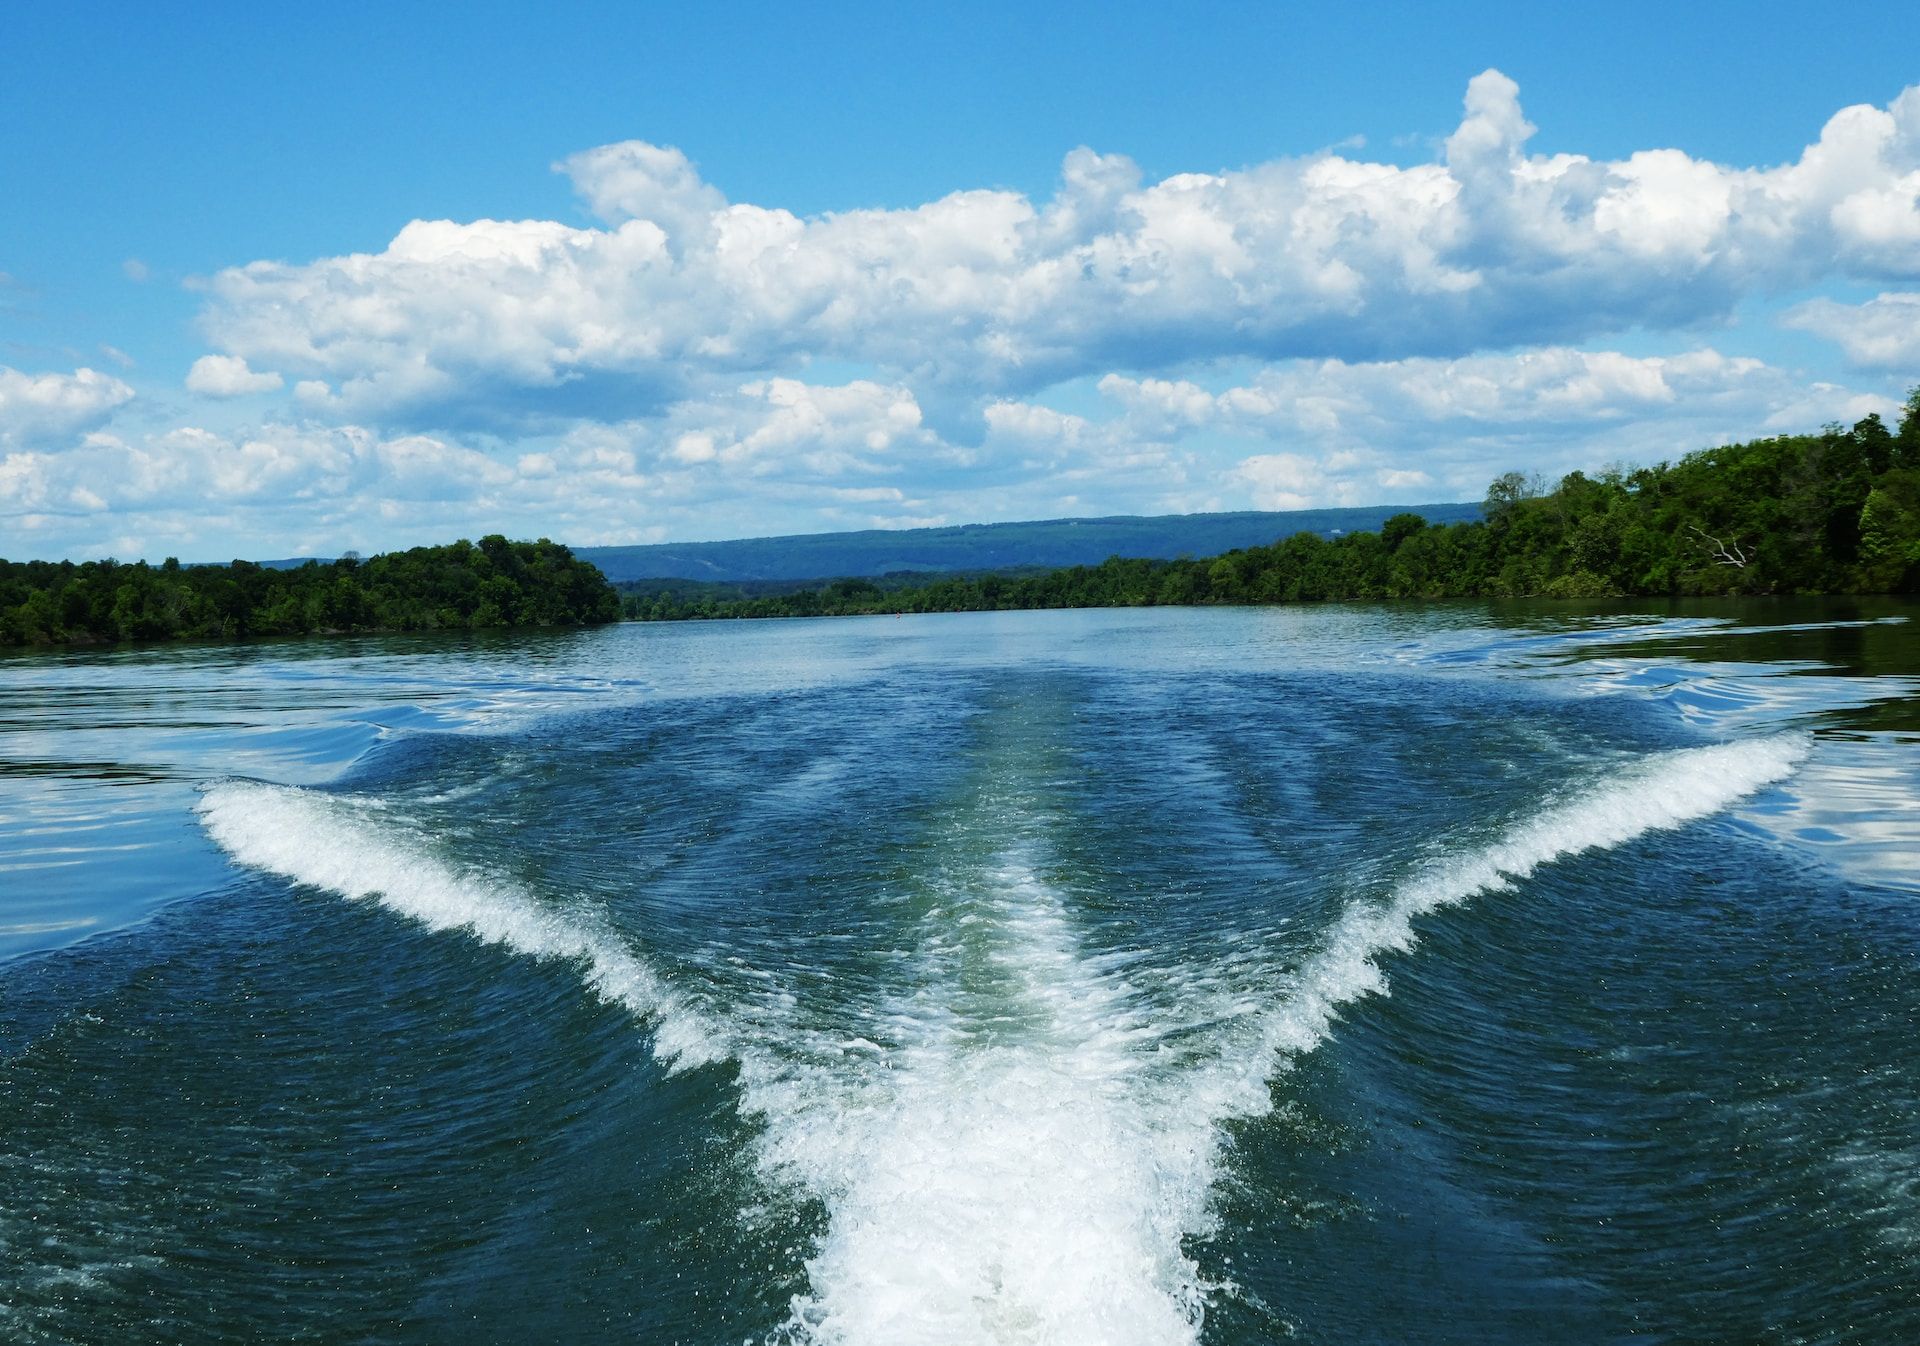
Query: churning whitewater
[1017, 1120]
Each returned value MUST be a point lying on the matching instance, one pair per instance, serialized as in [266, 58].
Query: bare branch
[1722, 553]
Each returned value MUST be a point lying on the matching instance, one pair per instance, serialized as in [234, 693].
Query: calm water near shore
[1392, 974]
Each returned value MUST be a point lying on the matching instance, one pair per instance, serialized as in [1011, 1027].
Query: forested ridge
[806, 560]
[1834, 512]
[494, 582]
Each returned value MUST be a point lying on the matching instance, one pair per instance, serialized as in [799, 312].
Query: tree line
[1834, 512]
[467, 585]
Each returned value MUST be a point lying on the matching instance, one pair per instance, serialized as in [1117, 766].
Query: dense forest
[492, 583]
[1836, 512]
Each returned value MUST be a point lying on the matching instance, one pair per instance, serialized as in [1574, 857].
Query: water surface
[1386, 974]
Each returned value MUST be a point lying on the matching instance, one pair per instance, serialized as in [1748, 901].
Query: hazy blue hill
[991, 546]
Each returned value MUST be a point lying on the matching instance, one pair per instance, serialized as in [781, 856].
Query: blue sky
[812, 270]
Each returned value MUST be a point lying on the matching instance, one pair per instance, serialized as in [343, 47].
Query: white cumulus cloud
[1883, 333]
[777, 448]
[41, 409]
[229, 376]
[985, 295]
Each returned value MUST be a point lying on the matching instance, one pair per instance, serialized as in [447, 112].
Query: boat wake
[1014, 1141]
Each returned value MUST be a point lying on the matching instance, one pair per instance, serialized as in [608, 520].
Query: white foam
[1001, 1181]
[346, 846]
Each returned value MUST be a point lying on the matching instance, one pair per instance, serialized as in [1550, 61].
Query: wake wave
[341, 844]
[1659, 793]
[1023, 1159]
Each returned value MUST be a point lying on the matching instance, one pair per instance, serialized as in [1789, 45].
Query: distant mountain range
[975, 548]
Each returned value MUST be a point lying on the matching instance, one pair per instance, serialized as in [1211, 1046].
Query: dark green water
[1338, 975]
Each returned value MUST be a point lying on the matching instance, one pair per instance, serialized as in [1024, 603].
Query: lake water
[1370, 974]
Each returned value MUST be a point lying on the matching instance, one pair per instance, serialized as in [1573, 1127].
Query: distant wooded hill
[981, 547]
[1836, 512]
